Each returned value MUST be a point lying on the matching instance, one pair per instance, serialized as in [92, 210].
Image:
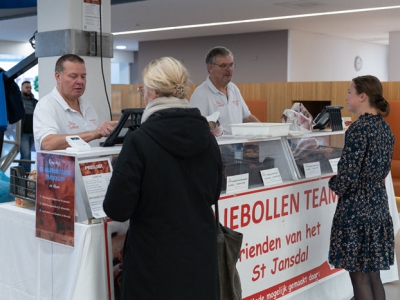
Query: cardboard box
[24, 203]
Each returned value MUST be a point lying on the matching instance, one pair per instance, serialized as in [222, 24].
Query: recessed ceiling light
[120, 47]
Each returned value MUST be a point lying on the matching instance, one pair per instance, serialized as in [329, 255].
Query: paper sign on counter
[271, 176]
[96, 176]
[334, 162]
[312, 169]
[237, 183]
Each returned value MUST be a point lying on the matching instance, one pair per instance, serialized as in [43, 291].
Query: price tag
[237, 183]
[334, 162]
[312, 169]
[271, 176]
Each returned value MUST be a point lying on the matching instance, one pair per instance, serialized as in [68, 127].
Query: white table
[36, 269]
[32, 268]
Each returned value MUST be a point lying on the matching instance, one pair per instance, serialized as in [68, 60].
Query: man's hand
[105, 129]
[251, 118]
[58, 142]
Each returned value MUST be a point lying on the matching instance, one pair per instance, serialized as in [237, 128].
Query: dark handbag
[229, 243]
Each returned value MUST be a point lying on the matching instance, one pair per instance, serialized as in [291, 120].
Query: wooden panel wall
[279, 95]
[124, 96]
[391, 90]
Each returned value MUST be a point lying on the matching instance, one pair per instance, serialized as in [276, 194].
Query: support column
[394, 58]
[74, 16]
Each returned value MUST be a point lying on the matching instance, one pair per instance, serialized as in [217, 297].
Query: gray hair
[219, 50]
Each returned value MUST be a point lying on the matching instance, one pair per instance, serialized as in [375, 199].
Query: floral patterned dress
[362, 237]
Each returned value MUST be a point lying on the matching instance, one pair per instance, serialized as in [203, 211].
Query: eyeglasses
[140, 90]
[226, 66]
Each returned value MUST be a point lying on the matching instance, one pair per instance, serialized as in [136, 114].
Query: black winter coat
[166, 178]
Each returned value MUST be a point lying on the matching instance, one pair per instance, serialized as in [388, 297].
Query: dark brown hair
[67, 57]
[372, 87]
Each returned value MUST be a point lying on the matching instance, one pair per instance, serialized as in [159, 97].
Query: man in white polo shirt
[218, 93]
[63, 112]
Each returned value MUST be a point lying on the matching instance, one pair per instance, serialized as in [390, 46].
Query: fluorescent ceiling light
[120, 47]
[258, 20]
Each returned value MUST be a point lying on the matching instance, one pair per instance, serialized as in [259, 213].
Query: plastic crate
[263, 129]
[20, 185]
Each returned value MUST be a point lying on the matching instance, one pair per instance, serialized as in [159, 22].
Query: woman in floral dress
[362, 237]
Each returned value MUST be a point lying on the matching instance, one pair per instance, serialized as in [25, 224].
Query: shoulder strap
[216, 213]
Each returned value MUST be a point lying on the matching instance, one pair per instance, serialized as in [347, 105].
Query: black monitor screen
[130, 120]
[330, 114]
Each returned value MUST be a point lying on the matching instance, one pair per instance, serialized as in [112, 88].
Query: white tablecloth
[32, 268]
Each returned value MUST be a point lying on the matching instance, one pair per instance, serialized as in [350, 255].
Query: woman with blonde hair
[167, 177]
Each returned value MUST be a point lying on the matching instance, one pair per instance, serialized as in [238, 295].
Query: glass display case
[323, 147]
[241, 156]
[287, 154]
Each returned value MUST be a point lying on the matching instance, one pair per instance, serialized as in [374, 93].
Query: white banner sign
[286, 237]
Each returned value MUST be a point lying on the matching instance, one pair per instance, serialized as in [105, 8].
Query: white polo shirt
[208, 99]
[53, 115]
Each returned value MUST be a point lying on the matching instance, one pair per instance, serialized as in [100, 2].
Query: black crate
[322, 154]
[20, 185]
[242, 166]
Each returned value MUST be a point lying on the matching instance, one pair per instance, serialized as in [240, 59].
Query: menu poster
[55, 198]
[96, 176]
[91, 15]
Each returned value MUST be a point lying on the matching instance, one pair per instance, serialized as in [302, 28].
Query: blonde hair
[167, 77]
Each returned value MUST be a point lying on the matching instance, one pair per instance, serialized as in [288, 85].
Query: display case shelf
[244, 155]
[324, 147]
[251, 155]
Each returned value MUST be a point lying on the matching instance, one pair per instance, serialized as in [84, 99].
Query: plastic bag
[298, 117]
[215, 127]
